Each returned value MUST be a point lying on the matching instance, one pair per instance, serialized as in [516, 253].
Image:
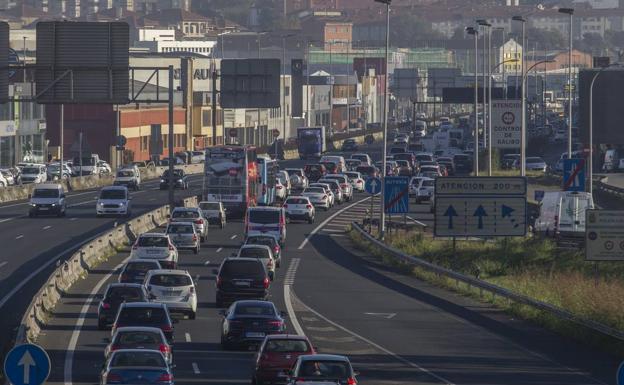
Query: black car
[248, 322]
[349, 145]
[241, 278]
[135, 270]
[152, 314]
[180, 180]
[115, 295]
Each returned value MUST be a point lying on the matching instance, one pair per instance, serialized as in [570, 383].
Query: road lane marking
[3, 263]
[196, 368]
[233, 236]
[416, 221]
[19, 236]
[197, 278]
[207, 263]
[47, 227]
[326, 221]
[73, 219]
[373, 344]
[382, 315]
[219, 249]
[289, 280]
[187, 337]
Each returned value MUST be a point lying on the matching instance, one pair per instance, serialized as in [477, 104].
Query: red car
[276, 356]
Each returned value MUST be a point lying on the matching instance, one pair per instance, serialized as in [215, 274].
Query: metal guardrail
[495, 290]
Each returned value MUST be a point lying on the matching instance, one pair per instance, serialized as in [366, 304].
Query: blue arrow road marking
[480, 212]
[450, 213]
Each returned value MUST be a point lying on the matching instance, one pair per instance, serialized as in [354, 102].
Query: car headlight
[53, 204]
[122, 204]
[100, 204]
[33, 205]
[162, 181]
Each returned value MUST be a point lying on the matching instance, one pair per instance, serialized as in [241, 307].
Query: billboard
[607, 106]
[465, 95]
[250, 83]
[82, 62]
[506, 123]
[406, 83]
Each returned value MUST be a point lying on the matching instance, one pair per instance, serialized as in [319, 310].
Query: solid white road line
[326, 221]
[3, 263]
[73, 219]
[379, 347]
[416, 221]
[233, 236]
[73, 341]
[196, 368]
[187, 337]
[219, 249]
[291, 312]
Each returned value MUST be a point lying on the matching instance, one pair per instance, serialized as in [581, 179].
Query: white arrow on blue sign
[373, 186]
[27, 364]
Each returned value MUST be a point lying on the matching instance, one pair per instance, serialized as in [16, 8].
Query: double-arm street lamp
[523, 99]
[475, 32]
[487, 101]
[570, 12]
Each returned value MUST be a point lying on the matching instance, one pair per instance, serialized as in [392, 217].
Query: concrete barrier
[77, 267]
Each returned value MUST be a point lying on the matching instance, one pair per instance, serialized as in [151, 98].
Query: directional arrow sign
[480, 213]
[450, 213]
[27, 364]
[373, 186]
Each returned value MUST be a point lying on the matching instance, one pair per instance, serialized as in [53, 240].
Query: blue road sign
[372, 186]
[620, 375]
[396, 194]
[13, 59]
[27, 364]
[574, 174]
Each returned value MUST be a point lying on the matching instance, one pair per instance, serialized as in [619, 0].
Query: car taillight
[113, 377]
[282, 221]
[276, 249]
[351, 381]
[265, 282]
[275, 324]
[164, 348]
[199, 222]
[105, 305]
[219, 282]
[308, 206]
[194, 237]
[278, 187]
[166, 328]
[165, 377]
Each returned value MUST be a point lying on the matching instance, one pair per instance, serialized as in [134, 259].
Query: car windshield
[428, 183]
[113, 194]
[170, 280]
[45, 193]
[141, 266]
[138, 358]
[138, 337]
[255, 309]
[241, 269]
[264, 216]
[153, 242]
[143, 315]
[184, 214]
[287, 346]
[324, 370]
[129, 294]
[297, 201]
[180, 229]
[30, 170]
[314, 190]
[254, 252]
[125, 173]
[209, 206]
[366, 169]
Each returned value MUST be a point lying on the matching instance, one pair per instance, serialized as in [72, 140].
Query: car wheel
[311, 220]
[202, 239]
[196, 250]
[192, 315]
[278, 264]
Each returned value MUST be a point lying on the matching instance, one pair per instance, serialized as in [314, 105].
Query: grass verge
[532, 267]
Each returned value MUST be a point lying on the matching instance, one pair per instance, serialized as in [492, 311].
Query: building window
[144, 143]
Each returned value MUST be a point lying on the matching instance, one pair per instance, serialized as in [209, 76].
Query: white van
[129, 177]
[34, 173]
[336, 159]
[562, 214]
[266, 220]
[611, 161]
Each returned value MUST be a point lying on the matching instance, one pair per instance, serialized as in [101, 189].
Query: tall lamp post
[284, 37]
[475, 32]
[488, 140]
[382, 214]
[591, 124]
[523, 99]
[570, 12]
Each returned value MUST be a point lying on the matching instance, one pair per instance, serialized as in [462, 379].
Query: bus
[267, 172]
[230, 177]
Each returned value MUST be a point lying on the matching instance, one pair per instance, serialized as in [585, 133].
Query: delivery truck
[311, 142]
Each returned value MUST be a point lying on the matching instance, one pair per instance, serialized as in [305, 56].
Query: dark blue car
[248, 322]
[136, 366]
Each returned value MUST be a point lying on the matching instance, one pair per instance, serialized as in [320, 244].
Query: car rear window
[264, 216]
[184, 214]
[153, 242]
[366, 169]
[143, 315]
[256, 309]
[209, 206]
[287, 346]
[141, 266]
[428, 183]
[125, 173]
[324, 369]
[129, 294]
[138, 337]
[241, 269]
[254, 252]
[170, 280]
[135, 358]
[180, 229]
[314, 190]
[297, 201]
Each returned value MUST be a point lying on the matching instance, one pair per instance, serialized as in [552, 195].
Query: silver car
[184, 235]
[191, 214]
[317, 196]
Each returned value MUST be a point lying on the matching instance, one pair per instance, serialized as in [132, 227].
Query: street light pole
[382, 213]
[473, 31]
[523, 102]
[488, 141]
[570, 12]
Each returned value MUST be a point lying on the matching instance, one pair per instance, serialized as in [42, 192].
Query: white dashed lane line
[219, 249]
[3, 263]
[47, 227]
[196, 368]
[233, 236]
[187, 337]
[19, 236]
[207, 263]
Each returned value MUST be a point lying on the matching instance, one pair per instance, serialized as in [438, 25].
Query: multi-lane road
[395, 329]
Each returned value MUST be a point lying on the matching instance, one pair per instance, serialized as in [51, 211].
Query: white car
[280, 190]
[535, 163]
[139, 337]
[114, 200]
[345, 185]
[401, 139]
[260, 252]
[357, 182]
[414, 185]
[155, 246]
[174, 288]
[299, 207]
[318, 197]
[328, 191]
[363, 158]
[339, 196]
[4, 179]
[426, 187]
[284, 179]
[34, 173]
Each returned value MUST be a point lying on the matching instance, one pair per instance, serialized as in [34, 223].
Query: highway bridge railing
[602, 185]
[491, 288]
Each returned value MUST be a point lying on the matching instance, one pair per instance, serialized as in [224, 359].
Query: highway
[31, 247]
[395, 329]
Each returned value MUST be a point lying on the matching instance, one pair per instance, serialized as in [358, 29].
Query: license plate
[44, 208]
[153, 251]
[300, 211]
[242, 284]
[254, 335]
